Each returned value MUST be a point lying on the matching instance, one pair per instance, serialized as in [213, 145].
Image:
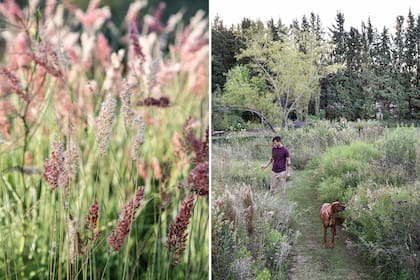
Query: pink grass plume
[177, 237]
[116, 238]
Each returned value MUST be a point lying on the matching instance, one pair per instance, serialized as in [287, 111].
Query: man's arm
[263, 166]
[289, 166]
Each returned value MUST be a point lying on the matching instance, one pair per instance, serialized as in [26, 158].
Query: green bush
[331, 189]
[263, 275]
[385, 222]
[312, 140]
[276, 248]
[400, 148]
[227, 122]
[341, 168]
[256, 232]
[382, 173]
[223, 244]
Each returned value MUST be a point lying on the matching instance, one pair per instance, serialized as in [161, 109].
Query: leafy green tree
[238, 89]
[292, 76]
[242, 90]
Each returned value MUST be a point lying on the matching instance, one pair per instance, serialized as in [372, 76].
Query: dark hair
[277, 138]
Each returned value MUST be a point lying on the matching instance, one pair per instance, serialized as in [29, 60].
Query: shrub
[276, 252]
[227, 122]
[224, 244]
[400, 148]
[256, 232]
[331, 189]
[342, 167]
[385, 222]
[382, 172]
[241, 269]
[263, 275]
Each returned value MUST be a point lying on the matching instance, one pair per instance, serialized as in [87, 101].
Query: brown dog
[327, 214]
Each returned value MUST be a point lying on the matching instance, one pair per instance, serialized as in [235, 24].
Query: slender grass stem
[157, 254]
[190, 241]
[106, 265]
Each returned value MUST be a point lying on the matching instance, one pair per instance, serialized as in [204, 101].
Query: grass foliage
[378, 182]
[251, 233]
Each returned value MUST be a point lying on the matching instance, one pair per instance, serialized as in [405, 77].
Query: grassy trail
[310, 259]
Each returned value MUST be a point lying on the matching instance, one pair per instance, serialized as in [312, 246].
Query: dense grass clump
[251, 233]
[341, 168]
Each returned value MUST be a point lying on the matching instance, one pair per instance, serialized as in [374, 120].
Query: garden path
[310, 259]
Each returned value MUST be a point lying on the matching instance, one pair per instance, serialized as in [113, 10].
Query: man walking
[281, 166]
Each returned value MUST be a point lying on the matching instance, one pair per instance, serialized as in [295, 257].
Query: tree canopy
[291, 72]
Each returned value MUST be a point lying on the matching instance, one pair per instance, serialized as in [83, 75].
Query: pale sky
[382, 13]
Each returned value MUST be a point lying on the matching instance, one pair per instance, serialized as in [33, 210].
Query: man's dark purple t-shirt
[279, 156]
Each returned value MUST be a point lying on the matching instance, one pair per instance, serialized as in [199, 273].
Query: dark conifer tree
[339, 39]
[398, 50]
[224, 46]
[275, 32]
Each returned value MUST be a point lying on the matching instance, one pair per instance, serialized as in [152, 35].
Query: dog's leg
[333, 235]
[325, 236]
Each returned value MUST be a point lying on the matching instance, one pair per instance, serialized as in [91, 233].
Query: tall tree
[416, 99]
[275, 31]
[382, 64]
[339, 39]
[410, 46]
[243, 90]
[398, 50]
[316, 27]
[292, 75]
[368, 39]
[410, 59]
[354, 56]
[225, 45]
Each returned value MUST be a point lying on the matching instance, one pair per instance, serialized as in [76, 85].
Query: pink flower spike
[134, 37]
[54, 165]
[177, 237]
[14, 83]
[93, 215]
[116, 238]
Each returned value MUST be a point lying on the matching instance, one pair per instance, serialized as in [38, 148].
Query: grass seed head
[116, 238]
[177, 237]
[54, 165]
[104, 123]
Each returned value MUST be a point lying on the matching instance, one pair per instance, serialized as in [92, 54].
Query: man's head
[277, 141]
